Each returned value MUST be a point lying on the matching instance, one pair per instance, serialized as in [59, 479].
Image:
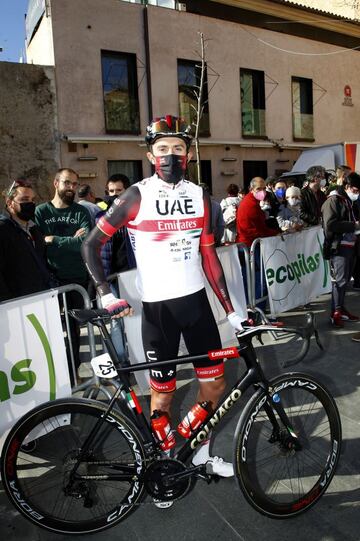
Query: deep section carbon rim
[38, 467]
[284, 472]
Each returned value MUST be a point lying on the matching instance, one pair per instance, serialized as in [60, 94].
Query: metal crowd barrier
[256, 246]
[244, 249]
[62, 290]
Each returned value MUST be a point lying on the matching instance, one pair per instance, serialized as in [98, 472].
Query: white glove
[113, 305]
[235, 321]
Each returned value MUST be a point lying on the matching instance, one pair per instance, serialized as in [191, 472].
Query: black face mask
[109, 199]
[171, 168]
[27, 211]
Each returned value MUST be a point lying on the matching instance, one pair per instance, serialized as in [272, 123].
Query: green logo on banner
[24, 379]
[20, 374]
[48, 353]
[288, 273]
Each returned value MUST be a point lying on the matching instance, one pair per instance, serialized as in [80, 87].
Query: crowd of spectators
[40, 245]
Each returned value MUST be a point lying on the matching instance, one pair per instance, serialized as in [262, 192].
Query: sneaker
[336, 319]
[217, 466]
[346, 316]
[162, 505]
[356, 337]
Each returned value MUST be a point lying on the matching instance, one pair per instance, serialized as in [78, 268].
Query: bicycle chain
[138, 504]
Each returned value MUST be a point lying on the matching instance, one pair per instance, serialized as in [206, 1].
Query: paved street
[219, 511]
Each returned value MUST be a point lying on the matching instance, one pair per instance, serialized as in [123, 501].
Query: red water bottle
[193, 419]
[160, 426]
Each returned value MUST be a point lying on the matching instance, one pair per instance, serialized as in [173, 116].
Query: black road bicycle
[78, 466]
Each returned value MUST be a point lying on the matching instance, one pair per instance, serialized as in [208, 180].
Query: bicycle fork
[288, 440]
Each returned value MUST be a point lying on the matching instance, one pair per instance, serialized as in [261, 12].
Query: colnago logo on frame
[215, 419]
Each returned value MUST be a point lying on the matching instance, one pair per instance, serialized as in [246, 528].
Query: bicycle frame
[252, 376]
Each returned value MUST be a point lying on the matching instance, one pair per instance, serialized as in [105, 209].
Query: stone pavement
[219, 511]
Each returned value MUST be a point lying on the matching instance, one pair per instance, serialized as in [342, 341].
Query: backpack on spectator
[230, 214]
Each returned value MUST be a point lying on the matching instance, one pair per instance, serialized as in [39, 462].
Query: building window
[252, 88]
[205, 172]
[189, 74]
[121, 102]
[302, 108]
[131, 168]
[252, 169]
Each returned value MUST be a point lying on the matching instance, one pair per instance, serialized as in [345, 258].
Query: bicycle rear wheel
[278, 478]
[38, 467]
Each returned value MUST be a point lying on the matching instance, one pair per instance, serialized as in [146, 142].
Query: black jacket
[310, 211]
[338, 218]
[22, 264]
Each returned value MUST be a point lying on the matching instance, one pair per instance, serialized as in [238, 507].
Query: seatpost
[109, 346]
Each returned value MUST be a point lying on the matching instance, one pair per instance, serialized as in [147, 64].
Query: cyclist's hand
[116, 307]
[236, 321]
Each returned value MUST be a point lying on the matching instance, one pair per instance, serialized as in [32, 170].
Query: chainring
[156, 475]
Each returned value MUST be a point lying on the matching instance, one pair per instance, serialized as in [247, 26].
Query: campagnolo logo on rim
[220, 412]
[332, 463]
[124, 507]
[248, 427]
[25, 506]
[296, 383]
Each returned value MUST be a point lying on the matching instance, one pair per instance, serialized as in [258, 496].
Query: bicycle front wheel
[53, 483]
[284, 470]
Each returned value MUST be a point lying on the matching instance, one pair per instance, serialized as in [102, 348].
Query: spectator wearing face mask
[289, 214]
[267, 209]
[251, 224]
[250, 219]
[312, 198]
[277, 198]
[23, 268]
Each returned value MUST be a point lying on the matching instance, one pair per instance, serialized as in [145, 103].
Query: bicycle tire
[277, 481]
[36, 481]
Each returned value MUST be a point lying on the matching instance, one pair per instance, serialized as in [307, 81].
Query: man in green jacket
[65, 224]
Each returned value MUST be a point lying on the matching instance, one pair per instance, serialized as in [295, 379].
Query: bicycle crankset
[161, 480]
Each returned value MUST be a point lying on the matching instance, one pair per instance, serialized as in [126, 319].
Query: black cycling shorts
[163, 322]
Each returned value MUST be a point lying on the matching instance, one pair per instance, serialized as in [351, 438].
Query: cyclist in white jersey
[169, 224]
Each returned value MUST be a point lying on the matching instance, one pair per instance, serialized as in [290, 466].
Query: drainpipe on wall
[147, 61]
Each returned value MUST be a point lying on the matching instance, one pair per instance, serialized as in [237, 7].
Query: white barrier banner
[229, 258]
[295, 269]
[34, 367]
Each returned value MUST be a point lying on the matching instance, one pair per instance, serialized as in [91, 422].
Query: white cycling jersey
[165, 236]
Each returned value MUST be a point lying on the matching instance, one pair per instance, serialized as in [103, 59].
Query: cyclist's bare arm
[123, 210]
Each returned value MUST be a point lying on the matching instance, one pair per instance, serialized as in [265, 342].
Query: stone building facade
[28, 135]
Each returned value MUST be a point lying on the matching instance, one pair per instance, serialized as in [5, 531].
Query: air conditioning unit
[181, 6]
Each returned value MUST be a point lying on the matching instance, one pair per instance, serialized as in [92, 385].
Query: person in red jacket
[250, 225]
[250, 219]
